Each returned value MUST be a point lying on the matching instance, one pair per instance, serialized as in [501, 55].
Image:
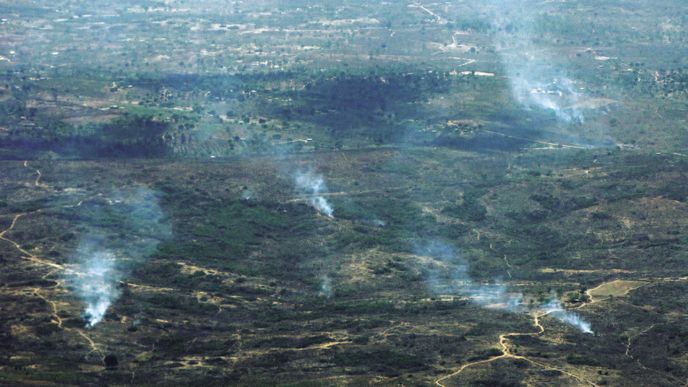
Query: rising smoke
[447, 273]
[555, 309]
[122, 232]
[535, 77]
[97, 279]
[326, 289]
[309, 183]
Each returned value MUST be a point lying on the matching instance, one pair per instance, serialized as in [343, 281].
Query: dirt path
[621, 288]
[55, 317]
[629, 347]
[302, 197]
[551, 145]
[26, 254]
[437, 17]
[507, 354]
[615, 288]
[506, 260]
[55, 267]
[629, 343]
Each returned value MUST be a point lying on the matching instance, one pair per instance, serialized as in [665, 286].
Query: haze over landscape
[346, 192]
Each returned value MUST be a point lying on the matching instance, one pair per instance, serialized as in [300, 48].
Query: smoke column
[311, 184]
[448, 274]
[536, 80]
[97, 282]
[555, 309]
[122, 231]
[326, 287]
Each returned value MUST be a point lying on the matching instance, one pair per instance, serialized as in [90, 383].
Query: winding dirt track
[506, 350]
[26, 254]
[551, 145]
[503, 339]
[507, 354]
[629, 343]
[55, 267]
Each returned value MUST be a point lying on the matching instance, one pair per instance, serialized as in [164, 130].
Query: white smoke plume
[326, 289]
[555, 309]
[535, 77]
[96, 284]
[247, 195]
[447, 273]
[122, 231]
[557, 94]
[313, 185]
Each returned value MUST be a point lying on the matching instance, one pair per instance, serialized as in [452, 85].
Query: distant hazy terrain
[344, 192]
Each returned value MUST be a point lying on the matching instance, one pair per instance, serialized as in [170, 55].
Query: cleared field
[616, 288]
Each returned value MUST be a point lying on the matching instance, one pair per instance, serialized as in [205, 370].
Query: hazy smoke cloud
[96, 284]
[536, 80]
[555, 309]
[311, 184]
[447, 273]
[557, 94]
[122, 231]
[326, 289]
